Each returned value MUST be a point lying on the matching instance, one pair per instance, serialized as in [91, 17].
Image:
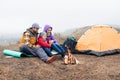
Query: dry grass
[91, 68]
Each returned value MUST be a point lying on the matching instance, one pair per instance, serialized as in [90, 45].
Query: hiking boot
[52, 58]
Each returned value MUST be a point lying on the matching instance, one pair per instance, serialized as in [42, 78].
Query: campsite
[91, 67]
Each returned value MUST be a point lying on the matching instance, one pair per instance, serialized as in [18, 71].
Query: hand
[38, 46]
[51, 41]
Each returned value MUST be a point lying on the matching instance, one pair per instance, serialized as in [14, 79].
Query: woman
[51, 39]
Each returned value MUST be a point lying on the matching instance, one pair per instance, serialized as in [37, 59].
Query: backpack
[70, 43]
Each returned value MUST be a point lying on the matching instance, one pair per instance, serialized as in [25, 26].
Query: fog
[18, 15]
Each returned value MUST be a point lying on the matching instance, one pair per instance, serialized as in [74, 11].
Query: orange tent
[99, 40]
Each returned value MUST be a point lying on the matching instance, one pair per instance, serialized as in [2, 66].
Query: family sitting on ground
[41, 44]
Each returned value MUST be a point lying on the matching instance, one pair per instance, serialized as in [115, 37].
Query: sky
[17, 15]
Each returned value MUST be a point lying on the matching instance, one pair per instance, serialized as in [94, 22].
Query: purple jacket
[50, 37]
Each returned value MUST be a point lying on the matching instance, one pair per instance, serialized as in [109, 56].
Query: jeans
[48, 51]
[34, 51]
[59, 49]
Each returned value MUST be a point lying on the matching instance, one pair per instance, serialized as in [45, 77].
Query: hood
[46, 27]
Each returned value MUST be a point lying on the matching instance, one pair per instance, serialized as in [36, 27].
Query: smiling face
[35, 29]
[44, 36]
[49, 31]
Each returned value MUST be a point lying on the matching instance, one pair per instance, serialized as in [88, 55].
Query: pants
[34, 51]
[58, 49]
[48, 51]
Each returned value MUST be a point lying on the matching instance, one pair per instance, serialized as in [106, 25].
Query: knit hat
[42, 33]
[35, 25]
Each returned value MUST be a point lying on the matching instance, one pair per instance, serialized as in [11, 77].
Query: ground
[90, 68]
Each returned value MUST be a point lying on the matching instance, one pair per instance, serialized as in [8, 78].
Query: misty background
[18, 15]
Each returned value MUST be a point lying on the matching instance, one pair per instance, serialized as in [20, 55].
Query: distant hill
[80, 31]
[6, 39]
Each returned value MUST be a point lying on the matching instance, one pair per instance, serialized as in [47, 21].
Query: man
[28, 44]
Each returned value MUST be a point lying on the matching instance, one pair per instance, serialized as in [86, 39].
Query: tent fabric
[99, 40]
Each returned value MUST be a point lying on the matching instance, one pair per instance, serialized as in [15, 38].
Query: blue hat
[35, 25]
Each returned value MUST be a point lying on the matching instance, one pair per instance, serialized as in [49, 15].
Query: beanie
[42, 33]
[35, 25]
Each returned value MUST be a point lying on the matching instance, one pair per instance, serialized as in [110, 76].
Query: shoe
[51, 59]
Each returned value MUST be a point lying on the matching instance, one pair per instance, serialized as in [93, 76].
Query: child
[43, 43]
